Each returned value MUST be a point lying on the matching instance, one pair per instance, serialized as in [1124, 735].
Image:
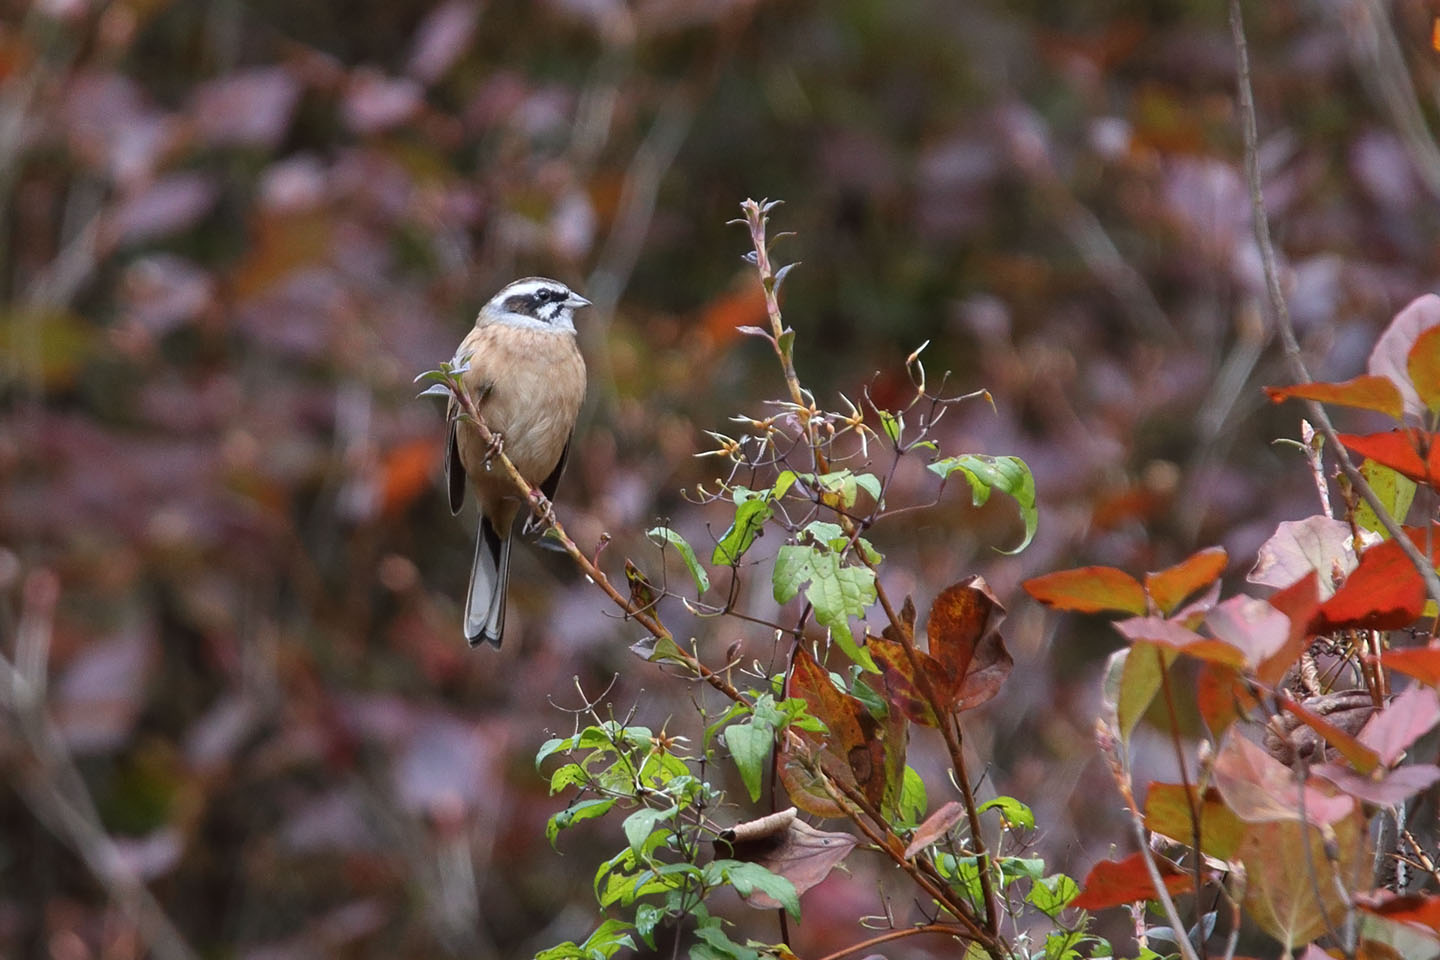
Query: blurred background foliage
[232, 233]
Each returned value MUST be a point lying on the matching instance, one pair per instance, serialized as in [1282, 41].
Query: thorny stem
[1281, 311]
[755, 219]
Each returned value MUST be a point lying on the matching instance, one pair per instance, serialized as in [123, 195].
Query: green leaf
[912, 797]
[551, 747]
[1050, 895]
[577, 813]
[716, 945]
[1013, 868]
[640, 824]
[748, 878]
[570, 775]
[750, 518]
[1006, 474]
[1016, 814]
[1394, 490]
[750, 745]
[608, 938]
[687, 553]
[647, 917]
[836, 592]
[893, 426]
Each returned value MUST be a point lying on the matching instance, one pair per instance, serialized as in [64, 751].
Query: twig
[1281, 311]
[942, 928]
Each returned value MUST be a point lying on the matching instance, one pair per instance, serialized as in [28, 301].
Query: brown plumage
[528, 380]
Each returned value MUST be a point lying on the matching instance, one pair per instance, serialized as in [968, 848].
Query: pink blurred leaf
[247, 108]
[101, 692]
[163, 291]
[169, 205]
[1259, 789]
[442, 38]
[1403, 721]
[1387, 790]
[935, 826]
[1300, 546]
[1254, 626]
[375, 103]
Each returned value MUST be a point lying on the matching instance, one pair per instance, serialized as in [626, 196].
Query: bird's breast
[531, 384]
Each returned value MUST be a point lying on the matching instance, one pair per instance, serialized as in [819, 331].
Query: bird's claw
[494, 448]
[543, 515]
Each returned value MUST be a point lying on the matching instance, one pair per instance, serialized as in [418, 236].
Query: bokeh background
[239, 719]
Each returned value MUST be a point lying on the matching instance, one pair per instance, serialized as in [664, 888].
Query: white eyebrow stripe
[525, 288]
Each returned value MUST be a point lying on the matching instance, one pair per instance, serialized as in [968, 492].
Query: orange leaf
[1170, 587]
[1423, 364]
[1089, 590]
[407, 471]
[1413, 908]
[1168, 810]
[1384, 592]
[1111, 883]
[1364, 392]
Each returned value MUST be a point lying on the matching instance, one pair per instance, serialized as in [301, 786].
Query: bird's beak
[575, 301]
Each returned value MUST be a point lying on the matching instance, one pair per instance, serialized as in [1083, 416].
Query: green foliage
[1006, 474]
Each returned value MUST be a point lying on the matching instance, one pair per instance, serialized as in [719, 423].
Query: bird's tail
[489, 576]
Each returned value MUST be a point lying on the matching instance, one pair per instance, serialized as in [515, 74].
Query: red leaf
[1366, 392]
[1170, 587]
[1422, 663]
[1400, 451]
[1414, 908]
[1112, 883]
[1089, 590]
[1384, 592]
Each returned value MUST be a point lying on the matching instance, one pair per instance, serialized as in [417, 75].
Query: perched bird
[527, 378]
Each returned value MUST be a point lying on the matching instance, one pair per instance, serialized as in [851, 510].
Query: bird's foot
[542, 515]
[495, 447]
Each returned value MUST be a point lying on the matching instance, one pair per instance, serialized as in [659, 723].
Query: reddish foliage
[1113, 883]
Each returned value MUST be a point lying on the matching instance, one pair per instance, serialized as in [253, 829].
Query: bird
[527, 378]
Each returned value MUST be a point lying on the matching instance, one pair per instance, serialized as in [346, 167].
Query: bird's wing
[553, 481]
[454, 469]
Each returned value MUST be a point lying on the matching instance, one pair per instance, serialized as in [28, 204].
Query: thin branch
[941, 928]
